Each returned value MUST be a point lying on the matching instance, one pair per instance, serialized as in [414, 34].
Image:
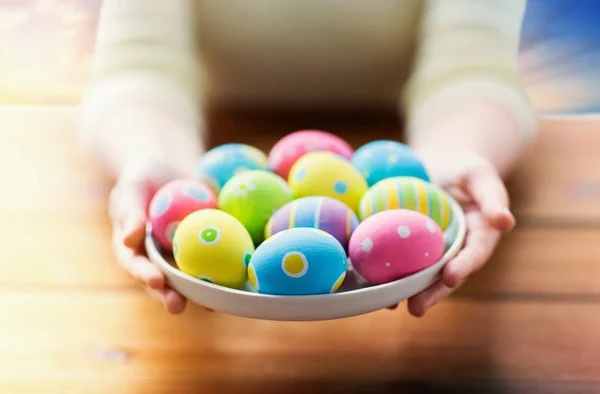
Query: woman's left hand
[475, 183]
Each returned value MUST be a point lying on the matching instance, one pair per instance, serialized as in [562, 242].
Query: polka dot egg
[383, 159]
[220, 164]
[289, 149]
[172, 203]
[325, 213]
[252, 197]
[298, 261]
[213, 246]
[393, 244]
[329, 175]
[407, 193]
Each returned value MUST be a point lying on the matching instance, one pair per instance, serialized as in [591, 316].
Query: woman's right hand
[128, 203]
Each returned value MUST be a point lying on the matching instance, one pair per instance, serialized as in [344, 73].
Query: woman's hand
[129, 200]
[475, 183]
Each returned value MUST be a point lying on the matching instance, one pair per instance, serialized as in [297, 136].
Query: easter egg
[172, 203]
[382, 159]
[324, 213]
[298, 261]
[220, 164]
[408, 193]
[329, 175]
[290, 148]
[393, 244]
[252, 197]
[213, 246]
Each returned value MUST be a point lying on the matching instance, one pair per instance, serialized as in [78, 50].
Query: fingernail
[508, 212]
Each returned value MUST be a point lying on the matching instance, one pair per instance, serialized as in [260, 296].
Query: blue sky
[564, 36]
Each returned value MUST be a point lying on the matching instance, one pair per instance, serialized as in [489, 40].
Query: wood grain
[53, 204]
[542, 264]
[124, 342]
[558, 182]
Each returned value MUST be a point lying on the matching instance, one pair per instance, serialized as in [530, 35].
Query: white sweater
[422, 55]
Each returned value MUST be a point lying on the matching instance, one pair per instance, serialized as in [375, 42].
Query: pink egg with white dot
[172, 203]
[394, 244]
[290, 148]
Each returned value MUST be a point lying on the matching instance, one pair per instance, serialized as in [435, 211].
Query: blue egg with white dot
[384, 159]
[220, 164]
[298, 261]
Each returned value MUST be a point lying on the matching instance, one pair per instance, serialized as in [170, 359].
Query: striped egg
[220, 164]
[407, 193]
[324, 213]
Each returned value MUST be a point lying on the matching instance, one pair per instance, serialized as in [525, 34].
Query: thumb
[128, 203]
[134, 227]
[488, 191]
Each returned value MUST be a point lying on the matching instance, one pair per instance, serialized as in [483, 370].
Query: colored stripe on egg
[305, 213]
[399, 194]
[392, 193]
[421, 197]
[411, 196]
[318, 212]
[424, 194]
[446, 214]
[293, 214]
[348, 220]
[436, 207]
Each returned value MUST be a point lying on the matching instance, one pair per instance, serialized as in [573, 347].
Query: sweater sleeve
[145, 61]
[468, 51]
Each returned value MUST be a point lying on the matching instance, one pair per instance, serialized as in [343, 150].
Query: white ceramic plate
[355, 297]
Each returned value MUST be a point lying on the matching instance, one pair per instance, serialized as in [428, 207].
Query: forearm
[143, 100]
[465, 95]
[127, 121]
[481, 127]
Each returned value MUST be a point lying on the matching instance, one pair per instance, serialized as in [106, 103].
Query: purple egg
[323, 213]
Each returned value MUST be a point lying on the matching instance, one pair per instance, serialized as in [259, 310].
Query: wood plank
[558, 181]
[538, 262]
[124, 342]
[53, 204]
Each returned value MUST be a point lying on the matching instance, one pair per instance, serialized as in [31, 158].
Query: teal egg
[378, 160]
[220, 164]
[298, 261]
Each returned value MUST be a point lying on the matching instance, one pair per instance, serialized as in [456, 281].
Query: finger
[172, 301]
[139, 267]
[460, 195]
[478, 249]
[134, 229]
[143, 270]
[419, 304]
[489, 192]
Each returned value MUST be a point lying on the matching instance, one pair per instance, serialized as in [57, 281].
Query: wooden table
[72, 322]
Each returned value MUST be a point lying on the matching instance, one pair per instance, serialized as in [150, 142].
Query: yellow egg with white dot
[213, 246]
[298, 261]
[329, 175]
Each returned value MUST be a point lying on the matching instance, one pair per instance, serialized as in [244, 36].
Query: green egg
[252, 197]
